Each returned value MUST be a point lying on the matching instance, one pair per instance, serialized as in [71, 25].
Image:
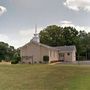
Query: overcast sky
[18, 17]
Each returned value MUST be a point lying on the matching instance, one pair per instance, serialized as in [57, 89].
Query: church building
[35, 52]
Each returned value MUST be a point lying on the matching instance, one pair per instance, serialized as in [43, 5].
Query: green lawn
[44, 77]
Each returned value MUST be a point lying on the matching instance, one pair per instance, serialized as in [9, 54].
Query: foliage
[16, 57]
[70, 36]
[14, 61]
[58, 36]
[8, 53]
[52, 36]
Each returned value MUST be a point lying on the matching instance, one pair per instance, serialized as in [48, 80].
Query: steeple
[35, 29]
[36, 36]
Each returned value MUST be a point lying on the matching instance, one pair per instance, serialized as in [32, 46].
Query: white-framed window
[68, 54]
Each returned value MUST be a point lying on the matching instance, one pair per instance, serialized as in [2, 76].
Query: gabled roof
[43, 45]
[60, 48]
[66, 48]
[40, 44]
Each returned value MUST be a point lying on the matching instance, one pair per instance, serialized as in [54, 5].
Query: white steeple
[36, 36]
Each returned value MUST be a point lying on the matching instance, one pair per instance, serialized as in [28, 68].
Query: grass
[44, 77]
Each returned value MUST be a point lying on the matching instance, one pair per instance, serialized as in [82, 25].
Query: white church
[34, 52]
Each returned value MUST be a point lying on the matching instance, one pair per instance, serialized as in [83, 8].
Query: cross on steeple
[36, 29]
[36, 36]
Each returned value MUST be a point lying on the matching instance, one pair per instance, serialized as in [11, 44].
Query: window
[68, 54]
[46, 59]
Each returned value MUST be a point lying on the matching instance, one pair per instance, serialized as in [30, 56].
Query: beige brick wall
[34, 50]
[73, 56]
[70, 57]
[53, 55]
[38, 51]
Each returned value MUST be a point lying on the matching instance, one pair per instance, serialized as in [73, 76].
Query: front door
[61, 57]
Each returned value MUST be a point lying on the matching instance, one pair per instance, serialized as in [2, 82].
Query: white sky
[18, 17]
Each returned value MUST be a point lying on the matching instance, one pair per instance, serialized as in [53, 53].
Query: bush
[14, 61]
[0, 60]
[40, 61]
[54, 61]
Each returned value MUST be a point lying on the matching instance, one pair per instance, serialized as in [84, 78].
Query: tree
[16, 57]
[7, 52]
[52, 36]
[84, 46]
[3, 50]
[70, 35]
[57, 36]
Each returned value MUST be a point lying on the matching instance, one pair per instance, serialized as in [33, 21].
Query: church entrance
[61, 57]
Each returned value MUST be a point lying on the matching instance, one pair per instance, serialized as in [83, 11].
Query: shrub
[40, 61]
[0, 60]
[14, 61]
[54, 61]
[29, 62]
[35, 62]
